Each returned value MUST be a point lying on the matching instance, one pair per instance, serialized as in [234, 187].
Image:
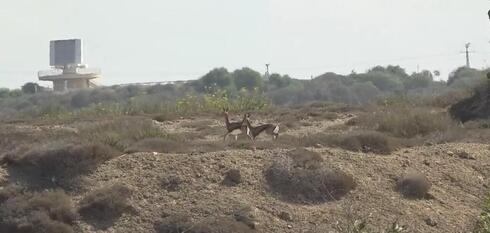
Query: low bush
[483, 223]
[305, 158]
[121, 133]
[414, 185]
[106, 204]
[184, 224]
[233, 177]
[306, 185]
[171, 183]
[60, 159]
[27, 212]
[368, 142]
[405, 122]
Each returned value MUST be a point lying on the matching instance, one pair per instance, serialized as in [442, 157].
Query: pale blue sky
[158, 40]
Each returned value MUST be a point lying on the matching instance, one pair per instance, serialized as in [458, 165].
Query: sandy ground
[459, 186]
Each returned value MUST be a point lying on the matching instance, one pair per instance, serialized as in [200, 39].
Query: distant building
[67, 69]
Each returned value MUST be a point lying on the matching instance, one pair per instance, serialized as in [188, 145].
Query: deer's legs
[224, 137]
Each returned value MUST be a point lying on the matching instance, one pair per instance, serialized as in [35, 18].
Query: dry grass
[27, 212]
[305, 158]
[60, 160]
[368, 142]
[183, 224]
[306, 185]
[106, 204]
[171, 183]
[122, 132]
[405, 122]
[233, 177]
[161, 145]
[354, 141]
[413, 185]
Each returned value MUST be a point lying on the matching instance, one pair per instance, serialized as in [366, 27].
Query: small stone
[427, 163]
[465, 155]
[290, 226]
[430, 222]
[285, 216]
[450, 153]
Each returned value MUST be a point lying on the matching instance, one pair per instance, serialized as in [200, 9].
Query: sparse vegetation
[183, 224]
[365, 142]
[105, 204]
[58, 140]
[31, 212]
[414, 185]
[171, 182]
[306, 185]
[233, 177]
[44, 160]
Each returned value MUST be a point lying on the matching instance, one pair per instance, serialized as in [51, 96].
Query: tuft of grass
[414, 185]
[483, 223]
[29, 212]
[306, 185]
[106, 204]
[233, 177]
[305, 158]
[171, 182]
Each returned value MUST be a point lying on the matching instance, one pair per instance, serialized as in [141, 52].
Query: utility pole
[267, 74]
[467, 46]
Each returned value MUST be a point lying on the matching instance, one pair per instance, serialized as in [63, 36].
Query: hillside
[188, 179]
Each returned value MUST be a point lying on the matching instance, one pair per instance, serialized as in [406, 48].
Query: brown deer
[233, 128]
[253, 132]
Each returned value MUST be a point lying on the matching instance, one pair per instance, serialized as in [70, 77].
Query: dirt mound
[457, 191]
[306, 184]
[475, 107]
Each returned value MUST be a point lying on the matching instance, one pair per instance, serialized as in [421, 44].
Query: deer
[233, 128]
[253, 132]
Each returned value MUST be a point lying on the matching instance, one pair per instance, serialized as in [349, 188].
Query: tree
[419, 80]
[248, 79]
[465, 77]
[279, 81]
[31, 88]
[218, 77]
[4, 92]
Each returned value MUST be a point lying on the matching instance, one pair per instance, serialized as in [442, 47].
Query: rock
[290, 226]
[427, 163]
[430, 222]
[450, 153]
[285, 216]
[248, 216]
[465, 155]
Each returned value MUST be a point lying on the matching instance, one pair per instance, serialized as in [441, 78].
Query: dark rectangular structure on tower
[65, 52]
